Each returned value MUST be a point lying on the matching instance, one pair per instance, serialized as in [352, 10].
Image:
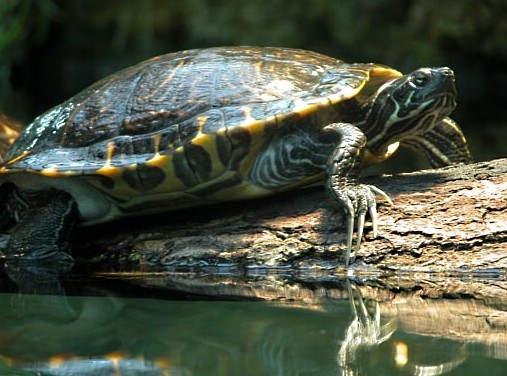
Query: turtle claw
[359, 200]
[374, 219]
[350, 235]
[381, 193]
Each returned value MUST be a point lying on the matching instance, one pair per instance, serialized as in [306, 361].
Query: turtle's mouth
[445, 98]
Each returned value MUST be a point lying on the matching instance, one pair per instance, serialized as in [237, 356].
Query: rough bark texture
[452, 219]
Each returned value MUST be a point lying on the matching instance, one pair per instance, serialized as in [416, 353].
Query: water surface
[254, 324]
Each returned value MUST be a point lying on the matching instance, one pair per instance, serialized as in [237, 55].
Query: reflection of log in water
[452, 219]
[468, 310]
[319, 325]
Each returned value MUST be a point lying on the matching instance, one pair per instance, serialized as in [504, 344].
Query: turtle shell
[186, 124]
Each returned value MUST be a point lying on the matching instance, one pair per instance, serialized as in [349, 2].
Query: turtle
[206, 126]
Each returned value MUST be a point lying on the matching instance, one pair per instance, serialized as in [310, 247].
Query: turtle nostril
[447, 72]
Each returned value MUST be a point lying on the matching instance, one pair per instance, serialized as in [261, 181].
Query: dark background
[51, 49]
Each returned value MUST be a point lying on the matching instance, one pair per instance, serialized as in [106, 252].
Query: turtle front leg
[343, 168]
[45, 229]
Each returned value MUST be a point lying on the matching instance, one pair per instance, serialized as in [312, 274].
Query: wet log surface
[447, 220]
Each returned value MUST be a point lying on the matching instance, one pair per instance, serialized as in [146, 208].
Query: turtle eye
[420, 79]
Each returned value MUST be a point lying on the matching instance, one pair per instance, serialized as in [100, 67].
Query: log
[452, 219]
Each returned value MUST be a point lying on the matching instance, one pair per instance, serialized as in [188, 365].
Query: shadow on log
[447, 220]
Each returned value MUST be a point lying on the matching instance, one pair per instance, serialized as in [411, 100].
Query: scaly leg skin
[343, 169]
[45, 229]
[36, 255]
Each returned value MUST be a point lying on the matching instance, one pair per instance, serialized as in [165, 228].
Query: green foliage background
[50, 49]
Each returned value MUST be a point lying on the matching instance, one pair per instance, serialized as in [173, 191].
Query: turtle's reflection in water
[365, 336]
[364, 331]
[330, 327]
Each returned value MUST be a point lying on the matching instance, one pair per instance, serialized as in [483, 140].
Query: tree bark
[452, 219]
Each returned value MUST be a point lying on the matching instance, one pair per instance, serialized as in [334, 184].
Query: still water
[208, 324]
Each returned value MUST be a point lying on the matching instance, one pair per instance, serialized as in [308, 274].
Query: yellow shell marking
[50, 171]
[209, 142]
[249, 119]
[303, 108]
[256, 130]
[107, 169]
[18, 158]
[158, 160]
[201, 122]
[171, 182]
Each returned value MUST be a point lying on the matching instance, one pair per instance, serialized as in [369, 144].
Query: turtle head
[409, 105]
